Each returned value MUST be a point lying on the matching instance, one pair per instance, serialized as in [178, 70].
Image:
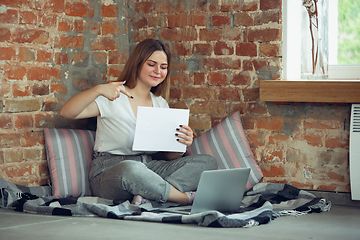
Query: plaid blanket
[260, 205]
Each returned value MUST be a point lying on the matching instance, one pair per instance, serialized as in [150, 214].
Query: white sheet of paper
[156, 127]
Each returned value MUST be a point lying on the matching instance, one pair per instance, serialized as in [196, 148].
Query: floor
[342, 222]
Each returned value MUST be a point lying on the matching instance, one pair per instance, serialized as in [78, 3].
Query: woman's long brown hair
[138, 57]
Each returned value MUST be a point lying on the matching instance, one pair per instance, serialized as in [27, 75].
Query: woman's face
[154, 70]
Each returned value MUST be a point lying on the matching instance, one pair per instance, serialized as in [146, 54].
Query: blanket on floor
[263, 203]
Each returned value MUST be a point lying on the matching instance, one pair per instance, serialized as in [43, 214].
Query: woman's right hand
[113, 90]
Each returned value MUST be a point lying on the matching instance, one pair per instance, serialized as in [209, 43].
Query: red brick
[208, 107]
[109, 10]
[247, 122]
[230, 94]
[43, 73]
[270, 123]
[12, 155]
[30, 36]
[175, 93]
[10, 16]
[19, 170]
[178, 79]
[144, 7]
[177, 20]
[169, 7]
[275, 170]
[24, 121]
[223, 48]
[100, 58]
[314, 140]
[273, 155]
[82, 84]
[5, 34]
[140, 23]
[81, 59]
[243, 19]
[7, 53]
[79, 9]
[271, 50]
[21, 91]
[319, 124]
[22, 105]
[110, 27]
[115, 57]
[43, 56]
[6, 121]
[216, 78]
[230, 6]
[329, 187]
[250, 94]
[215, 34]
[50, 105]
[26, 55]
[337, 142]
[246, 49]
[43, 120]
[220, 64]
[47, 20]
[242, 78]
[29, 139]
[9, 140]
[277, 138]
[157, 21]
[51, 5]
[301, 185]
[255, 139]
[79, 26]
[267, 17]
[114, 71]
[40, 90]
[202, 122]
[14, 3]
[335, 176]
[178, 35]
[15, 72]
[264, 35]
[202, 49]
[197, 19]
[95, 28]
[201, 93]
[70, 42]
[255, 107]
[270, 4]
[199, 78]
[181, 49]
[28, 17]
[103, 43]
[250, 6]
[219, 20]
[64, 27]
[58, 88]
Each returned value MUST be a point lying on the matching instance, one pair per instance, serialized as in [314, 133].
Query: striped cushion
[227, 142]
[69, 155]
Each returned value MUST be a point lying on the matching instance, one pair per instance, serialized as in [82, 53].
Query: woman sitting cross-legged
[117, 172]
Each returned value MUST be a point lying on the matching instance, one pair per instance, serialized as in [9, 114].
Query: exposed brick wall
[222, 49]
[49, 51]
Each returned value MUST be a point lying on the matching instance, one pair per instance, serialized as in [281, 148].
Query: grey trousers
[119, 177]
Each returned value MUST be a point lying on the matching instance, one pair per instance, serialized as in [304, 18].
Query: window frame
[341, 87]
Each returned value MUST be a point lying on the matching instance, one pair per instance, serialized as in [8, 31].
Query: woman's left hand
[185, 135]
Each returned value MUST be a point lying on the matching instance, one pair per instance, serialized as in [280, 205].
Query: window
[348, 19]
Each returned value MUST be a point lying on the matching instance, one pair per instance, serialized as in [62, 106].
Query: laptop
[220, 190]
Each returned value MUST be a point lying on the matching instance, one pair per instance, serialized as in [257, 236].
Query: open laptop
[220, 190]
